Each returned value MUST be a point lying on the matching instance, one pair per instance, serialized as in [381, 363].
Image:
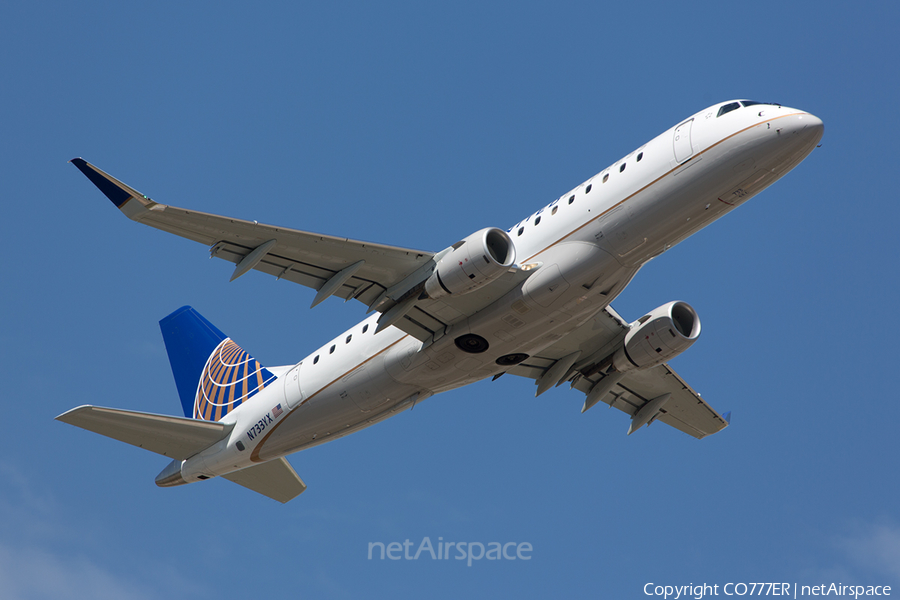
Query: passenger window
[571, 198]
[605, 178]
[521, 230]
[587, 190]
[640, 156]
[347, 341]
[537, 221]
[316, 359]
[555, 208]
[331, 350]
[622, 168]
[365, 327]
[728, 108]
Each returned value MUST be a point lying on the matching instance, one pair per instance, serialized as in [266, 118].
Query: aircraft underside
[532, 301]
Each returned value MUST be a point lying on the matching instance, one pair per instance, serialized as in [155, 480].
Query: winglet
[727, 417]
[126, 198]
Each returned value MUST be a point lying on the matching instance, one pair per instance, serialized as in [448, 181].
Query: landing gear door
[292, 390]
[682, 141]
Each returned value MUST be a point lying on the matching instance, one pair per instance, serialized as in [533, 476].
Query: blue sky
[414, 125]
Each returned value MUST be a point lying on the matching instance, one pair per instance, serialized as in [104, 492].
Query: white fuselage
[584, 248]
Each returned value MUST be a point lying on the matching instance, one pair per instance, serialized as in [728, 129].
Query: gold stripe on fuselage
[655, 181]
[254, 455]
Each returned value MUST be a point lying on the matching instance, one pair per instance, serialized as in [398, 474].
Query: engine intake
[658, 336]
[472, 263]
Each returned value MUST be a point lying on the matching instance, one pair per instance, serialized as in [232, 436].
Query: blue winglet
[103, 183]
[727, 417]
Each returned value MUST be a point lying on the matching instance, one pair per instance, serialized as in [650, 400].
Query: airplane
[532, 300]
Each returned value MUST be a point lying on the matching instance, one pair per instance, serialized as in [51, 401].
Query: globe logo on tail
[231, 376]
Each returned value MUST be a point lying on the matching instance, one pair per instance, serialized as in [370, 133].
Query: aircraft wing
[576, 356]
[381, 277]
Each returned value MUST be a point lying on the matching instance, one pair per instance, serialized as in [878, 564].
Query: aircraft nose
[799, 133]
[814, 124]
[808, 126]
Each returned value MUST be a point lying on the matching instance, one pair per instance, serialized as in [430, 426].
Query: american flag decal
[276, 412]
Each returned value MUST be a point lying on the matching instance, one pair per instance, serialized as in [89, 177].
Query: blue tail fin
[213, 374]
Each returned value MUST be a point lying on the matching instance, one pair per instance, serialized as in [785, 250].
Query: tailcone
[171, 475]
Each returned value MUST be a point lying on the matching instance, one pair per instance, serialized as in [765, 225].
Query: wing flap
[328, 253]
[278, 264]
[175, 437]
[275, 479]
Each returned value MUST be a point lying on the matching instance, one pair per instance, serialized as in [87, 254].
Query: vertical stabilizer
[212, 373]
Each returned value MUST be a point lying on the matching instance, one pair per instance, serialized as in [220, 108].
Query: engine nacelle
[472, 263]
[659, 336]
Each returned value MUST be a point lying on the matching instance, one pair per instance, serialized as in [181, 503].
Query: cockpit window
[728, 108]
[751, 102]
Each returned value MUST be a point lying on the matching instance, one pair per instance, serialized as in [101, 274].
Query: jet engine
[658, 336]
[472, 263]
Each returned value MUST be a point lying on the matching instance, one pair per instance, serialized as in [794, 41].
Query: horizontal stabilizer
[175, 437]
[275, 479]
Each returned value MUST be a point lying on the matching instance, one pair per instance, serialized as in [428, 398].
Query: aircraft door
[293, 393]
[682, 142]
